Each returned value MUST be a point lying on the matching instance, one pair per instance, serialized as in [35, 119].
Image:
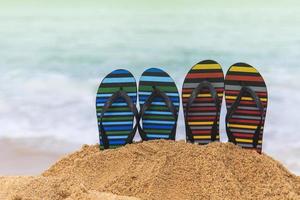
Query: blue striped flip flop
[116, 109]
[159, 103]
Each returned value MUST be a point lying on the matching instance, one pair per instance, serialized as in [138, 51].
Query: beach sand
[158, 170]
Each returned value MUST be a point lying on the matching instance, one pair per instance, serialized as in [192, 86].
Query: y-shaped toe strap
[245, 90]
[214, 95]
[158, 93]
[107, 105]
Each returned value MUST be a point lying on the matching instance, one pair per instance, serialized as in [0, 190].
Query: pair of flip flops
[246, 101]
[116, 107]
[202, 94]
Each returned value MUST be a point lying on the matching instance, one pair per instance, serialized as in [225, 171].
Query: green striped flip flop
[159, 103]
[202, 95]
[246, 100]
[116, 109]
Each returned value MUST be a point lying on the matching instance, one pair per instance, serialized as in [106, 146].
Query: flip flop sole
[203, 111]
[246, 118]
[158, 121]
[118, 120]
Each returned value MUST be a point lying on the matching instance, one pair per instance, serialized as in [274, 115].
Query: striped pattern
[245, 120]
[158, 121]
[203, 111]
[118, 120]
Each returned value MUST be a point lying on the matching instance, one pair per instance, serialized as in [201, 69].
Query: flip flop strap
[234, 107]
[158, 93]
[192, 98]
[107, 105]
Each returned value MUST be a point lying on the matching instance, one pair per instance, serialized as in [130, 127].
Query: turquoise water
[53, 56]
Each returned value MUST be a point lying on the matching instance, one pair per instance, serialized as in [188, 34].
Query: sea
[54, 54]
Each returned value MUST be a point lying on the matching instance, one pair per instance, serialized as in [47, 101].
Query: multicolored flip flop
[116, 109]
[202, 96]
[159, 105]
[246, 100]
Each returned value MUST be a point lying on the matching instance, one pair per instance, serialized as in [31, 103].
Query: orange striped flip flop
[202, 95]
[246, 100]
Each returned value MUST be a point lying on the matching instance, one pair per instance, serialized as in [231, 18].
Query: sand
[158, 170]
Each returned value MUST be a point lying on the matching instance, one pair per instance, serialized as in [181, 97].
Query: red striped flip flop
[202, 96]
[246, 100]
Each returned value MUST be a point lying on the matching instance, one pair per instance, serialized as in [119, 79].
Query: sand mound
[163, 170]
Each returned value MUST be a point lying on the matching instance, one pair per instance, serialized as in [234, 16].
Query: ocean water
[54, 54]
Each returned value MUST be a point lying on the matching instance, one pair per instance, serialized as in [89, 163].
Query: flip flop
[116, 109]
[246, 100]
[159, 103]
[202, 95]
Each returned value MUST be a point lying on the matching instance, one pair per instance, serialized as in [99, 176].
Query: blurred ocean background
[53, 55]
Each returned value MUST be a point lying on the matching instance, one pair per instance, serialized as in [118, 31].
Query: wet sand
[22, 157]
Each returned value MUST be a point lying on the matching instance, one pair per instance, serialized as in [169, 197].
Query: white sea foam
[48, 105]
